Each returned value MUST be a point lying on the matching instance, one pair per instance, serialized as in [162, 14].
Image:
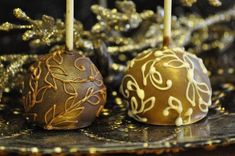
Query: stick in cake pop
[69, 24]
[167, 23]
[64, 89]
[167, 86]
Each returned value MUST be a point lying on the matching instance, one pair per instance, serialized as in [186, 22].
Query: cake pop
[64, 89]
[167, 86]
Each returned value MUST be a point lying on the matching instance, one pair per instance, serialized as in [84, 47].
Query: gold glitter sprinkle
[217, 102]
[118, 101]
[23, 149]
[209, 73]
[105, 113]
[118, 122]
[73, 150]
[115, 66]
[34, 150]
[114, 93]
[16, 112]
[167, 144]
[145, 144]
[215, 3]
[7, 90]
[189, 3]
[122, 57]
[220, 71]
[131, 126]
[58, 149]
[231, 70]
[2, 148]
[92, 150]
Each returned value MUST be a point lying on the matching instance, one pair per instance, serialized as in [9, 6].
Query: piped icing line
[176, 105]
[194, 91]
[135, 107]
[193, 86]
[55, 73]
[132, 62]
[197, 88]
[154, 76]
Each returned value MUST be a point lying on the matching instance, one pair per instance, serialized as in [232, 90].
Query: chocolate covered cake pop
[167, 87]
[64, 91]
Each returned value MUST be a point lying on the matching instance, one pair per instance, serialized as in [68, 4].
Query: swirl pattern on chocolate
[176, 80]
[65, 91]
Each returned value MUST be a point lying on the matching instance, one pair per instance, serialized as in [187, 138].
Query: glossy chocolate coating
[167, 87]
[64, 91]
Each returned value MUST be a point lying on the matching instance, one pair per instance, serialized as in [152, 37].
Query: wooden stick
[167, 23]
[69, 24]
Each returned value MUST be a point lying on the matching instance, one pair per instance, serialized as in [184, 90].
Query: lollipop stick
[167, 23]
[69, 24]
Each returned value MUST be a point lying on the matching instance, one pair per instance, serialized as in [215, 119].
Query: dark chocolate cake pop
[64, 91]
[167, 87]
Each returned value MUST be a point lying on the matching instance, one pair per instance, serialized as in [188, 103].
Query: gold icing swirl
[73, 105]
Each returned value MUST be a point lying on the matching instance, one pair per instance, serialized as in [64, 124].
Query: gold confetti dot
[131, 126]
[2, 148]
[220, 71]
[105, 113]
[115, 66]
[73, 150]
[209, 73]
[57, 149]
[114, 93]
[16, 112]
[122, 57]
[34, 150]
[118, 101]
[230, 70]
[145, 145]
[92, 150]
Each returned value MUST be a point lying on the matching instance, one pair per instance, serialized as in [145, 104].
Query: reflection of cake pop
[65, 90]
[167, 86]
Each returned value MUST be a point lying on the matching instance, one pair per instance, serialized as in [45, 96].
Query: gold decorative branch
[189, 3]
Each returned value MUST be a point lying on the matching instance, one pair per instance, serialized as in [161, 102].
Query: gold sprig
[183, 28]
[10, 74]
[122, 19]
[189, 3]
[44, 31]
[215, 3]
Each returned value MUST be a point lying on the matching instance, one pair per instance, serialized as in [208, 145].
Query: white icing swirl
[197, 93]
[136, 108]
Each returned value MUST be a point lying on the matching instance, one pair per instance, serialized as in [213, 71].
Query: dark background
[10, 42]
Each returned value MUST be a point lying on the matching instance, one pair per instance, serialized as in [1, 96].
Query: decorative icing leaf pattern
[136, 107]
[53, 121]
[196, 88]
[93, 75]
[153, 75]
[176, 105]
[72, 111]
[197, 92]
[73, 107]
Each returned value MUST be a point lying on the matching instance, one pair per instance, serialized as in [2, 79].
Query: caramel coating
[167, 87]
[63, 91]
